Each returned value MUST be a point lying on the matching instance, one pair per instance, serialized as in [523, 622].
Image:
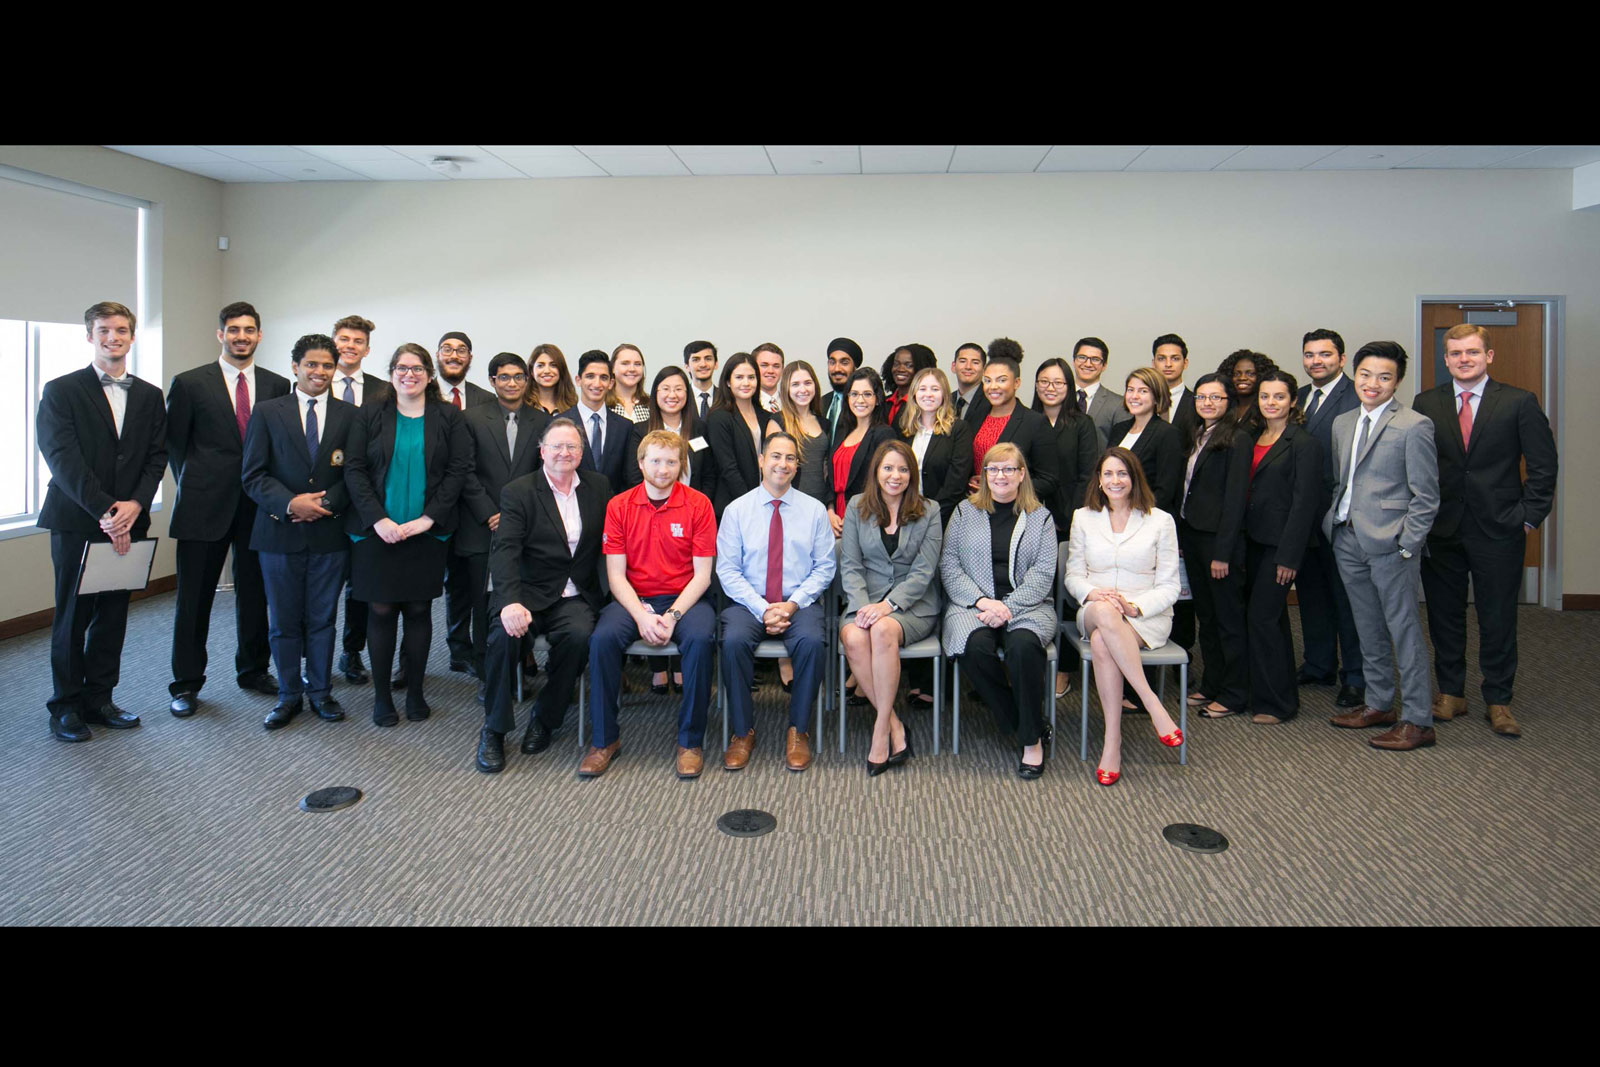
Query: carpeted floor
[196, 821]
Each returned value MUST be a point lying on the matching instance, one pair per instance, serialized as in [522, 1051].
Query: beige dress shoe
[797, 750]
[738, 753]
[598, 759]
[1446, 708]
[691, 761]
[1501, 722]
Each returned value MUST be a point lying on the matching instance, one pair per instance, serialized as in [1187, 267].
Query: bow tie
[124, 382]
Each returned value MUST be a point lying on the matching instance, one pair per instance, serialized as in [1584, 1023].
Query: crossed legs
[1115, 647]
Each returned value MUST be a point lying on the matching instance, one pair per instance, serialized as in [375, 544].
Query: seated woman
[888, 560]
[1122, 566]
[999, 566]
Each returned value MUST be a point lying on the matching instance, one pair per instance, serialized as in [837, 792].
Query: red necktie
[775, 556]
[455, 397]
[1465, 419]
[241, 405]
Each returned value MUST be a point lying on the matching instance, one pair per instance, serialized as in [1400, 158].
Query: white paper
[106, 572]
[696, 444]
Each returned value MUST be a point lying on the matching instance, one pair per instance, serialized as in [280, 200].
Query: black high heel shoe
[897, 758]
[660, 689]
[1047, 738]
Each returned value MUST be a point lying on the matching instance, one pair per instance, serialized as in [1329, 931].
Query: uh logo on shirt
[677, 529]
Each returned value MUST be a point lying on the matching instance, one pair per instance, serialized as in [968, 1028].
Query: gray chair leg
[841, 701]
[938, 699]
[1183, 712]
[1050, 696]
[955, 721]
[1083, 721]
[583, 710]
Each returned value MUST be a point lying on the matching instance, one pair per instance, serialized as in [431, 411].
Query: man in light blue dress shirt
[773, 599]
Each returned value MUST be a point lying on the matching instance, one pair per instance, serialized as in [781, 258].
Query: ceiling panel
[1371, 156]
[639, 164]
[1470, 156]
[906, 158]
[1183, 156]
[1277, 156]
[482, 165]
[393, 170]
[724, 159]
[592, 150]
[1090, 157]
[815, 159]
[259, 153]
[313, 170]
[173, 155]
[425, 152]
[234, 172]
[341, 153]
[519, 151]
[1555, 155]
[997, 159]
[575, 166]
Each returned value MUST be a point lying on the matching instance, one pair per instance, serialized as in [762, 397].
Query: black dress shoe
[1029, 771]
[1307, 678]
[109, 715]
[260, 683]
[69, 727]
[329, 709]
[536, 739]
[875, 769]
[183, 705]
[491, 751]
[417, 709]
[897, 758]
[283, 715]
[351, 667]
[1351, 696]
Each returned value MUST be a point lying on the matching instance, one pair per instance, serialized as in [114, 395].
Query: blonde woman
[626, 396]
[941, 442]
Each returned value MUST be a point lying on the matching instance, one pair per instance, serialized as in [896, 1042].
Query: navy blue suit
[301, 562]
[614, 461]
[1324, 608]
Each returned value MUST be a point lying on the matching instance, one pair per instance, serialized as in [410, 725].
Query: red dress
[841, 472]
[985, 438]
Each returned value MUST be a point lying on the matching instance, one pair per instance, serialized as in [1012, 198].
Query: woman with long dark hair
[863, 426]
[898, 370]
[800, 411]
[550, 385]
[735, 429]
[405, 465]
[670, 409]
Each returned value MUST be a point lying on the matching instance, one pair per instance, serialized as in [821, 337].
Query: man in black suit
[455, 359]
[1170, 357]
[294, 471]
[103, 433]
[545, 563]
[701, 359]
[1485, 430]
[506, 435]
[208, 411]
[1027, 429]
[1104, 405]
[966, 371]
[605, 433]
[1325, 615]
[844, 356]
[352, 336]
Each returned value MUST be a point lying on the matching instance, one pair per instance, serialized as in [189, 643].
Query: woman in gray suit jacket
[999, 568]
[888, 559]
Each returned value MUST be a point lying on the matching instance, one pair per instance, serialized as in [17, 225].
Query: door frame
[1554, 385]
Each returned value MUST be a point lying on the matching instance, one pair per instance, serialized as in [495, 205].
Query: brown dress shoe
[1362, 717]
[1403, 738]
[691, 761]
[797, 750]
[1501, 722]
[598, 759]
[738, 753]
[1447, 707]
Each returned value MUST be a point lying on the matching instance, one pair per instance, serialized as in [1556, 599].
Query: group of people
[707, 514]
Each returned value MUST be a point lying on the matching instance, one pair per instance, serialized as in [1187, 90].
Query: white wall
[179, 328]
[1228, 260]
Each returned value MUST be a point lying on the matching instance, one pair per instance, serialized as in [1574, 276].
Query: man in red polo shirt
[660, 544]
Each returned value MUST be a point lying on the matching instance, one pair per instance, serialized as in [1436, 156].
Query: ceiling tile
[1090, 156]
[715, 149]
[1188, 157]
[173, 155]
[997, 159]
[485, 166]
[1277, 156]
[578, 166]
[313, 170]
[1371, 156]
[341, 153]
[592, 150]
[815, 160]
[259, 153]
[425, 152]
[1554, 156]
[812, 147]
[1472, 156]
[393, 170]
[519, 151]
[639, 165]
[906, 158]
[725, 159]
[233, 172]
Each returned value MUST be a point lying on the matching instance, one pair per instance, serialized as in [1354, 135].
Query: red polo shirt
[660, 543]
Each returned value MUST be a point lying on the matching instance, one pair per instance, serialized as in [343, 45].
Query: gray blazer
[869, 574]
[1396, 480]
[967, 568]
[1105, 408]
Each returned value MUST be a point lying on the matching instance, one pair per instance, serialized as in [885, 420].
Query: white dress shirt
[572, 519]
[919, 447]
[116, 396]
[355, 381]
[230, 378]
[1477, 397]
[1355, 443]
[1176, 395]
[300, 399]
[770, 401]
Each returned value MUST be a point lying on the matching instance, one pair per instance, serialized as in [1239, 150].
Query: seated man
[774, 559]
[545, 567]
[660, 542]
[293, 468]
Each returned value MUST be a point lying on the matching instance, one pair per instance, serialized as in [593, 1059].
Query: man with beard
[844, 356]
[454, 359]
[701, 359]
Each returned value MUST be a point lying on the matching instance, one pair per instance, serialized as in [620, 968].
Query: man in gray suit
[1386, 494]
[1103, 404]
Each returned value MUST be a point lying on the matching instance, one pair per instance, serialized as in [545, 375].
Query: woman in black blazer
[1217, 586]
[735, 426]
[1275, 494]
[1077, 443]
[405, 465]
[863, 426]
[670, 410]
[941, 441]
[1151, 439]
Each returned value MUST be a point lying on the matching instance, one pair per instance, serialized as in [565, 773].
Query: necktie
[961, 404]
[124, 382]
[511, 433]
[241, 405]
[775, 555]
[311, 428]
[1361, 444]
[594, 438]
[349, 390]
[772, 404]
[1316, 402]
[705, 406]
[1083, 400]
[455, 397]
[1465, 419]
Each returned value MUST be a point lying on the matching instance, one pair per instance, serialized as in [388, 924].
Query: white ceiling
[301, 163]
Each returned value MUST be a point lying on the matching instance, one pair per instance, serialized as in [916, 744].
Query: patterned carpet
[196, 822]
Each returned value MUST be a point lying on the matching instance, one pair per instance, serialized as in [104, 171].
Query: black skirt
[381, 573]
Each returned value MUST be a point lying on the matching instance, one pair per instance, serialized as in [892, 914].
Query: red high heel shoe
[1172, 740]
[1105, 777]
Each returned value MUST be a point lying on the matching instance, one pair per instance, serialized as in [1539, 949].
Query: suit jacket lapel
[547, 497]
[1480, 417]
[97, 398]
[1279, 447]
[500, 435]
[1377, 430]
[334, 416]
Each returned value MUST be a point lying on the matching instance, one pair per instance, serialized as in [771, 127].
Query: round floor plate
[332, 798]
[747, 822]
[1194, 838]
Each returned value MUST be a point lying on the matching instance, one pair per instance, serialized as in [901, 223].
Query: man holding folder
[103, 433]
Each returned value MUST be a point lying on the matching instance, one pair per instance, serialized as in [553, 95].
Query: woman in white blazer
[1122, 566]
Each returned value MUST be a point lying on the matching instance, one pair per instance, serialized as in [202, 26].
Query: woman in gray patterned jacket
[999, 567]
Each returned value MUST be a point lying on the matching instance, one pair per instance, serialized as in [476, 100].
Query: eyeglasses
[454, 350]
[1093, 361]
[1007, 472]
[410, 372]
[564, 448]
[511, 379]
[1209, 398]
[863, 396]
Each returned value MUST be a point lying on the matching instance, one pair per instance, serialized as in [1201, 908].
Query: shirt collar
[301, 396]
[1476, 390]
[787, 497]
[577, 480]
[674, 496]
[231, 373]
[1377, 413]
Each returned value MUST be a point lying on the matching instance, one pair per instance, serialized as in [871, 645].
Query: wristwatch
[1405, 553]
[677, 616]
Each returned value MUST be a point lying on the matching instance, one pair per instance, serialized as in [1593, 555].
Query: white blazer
[1141, 563]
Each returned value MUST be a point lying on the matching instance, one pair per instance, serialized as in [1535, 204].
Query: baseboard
[1580, 601]
[41, 620]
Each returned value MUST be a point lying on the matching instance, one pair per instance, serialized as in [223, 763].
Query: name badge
[697, 444]
[337, 459]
